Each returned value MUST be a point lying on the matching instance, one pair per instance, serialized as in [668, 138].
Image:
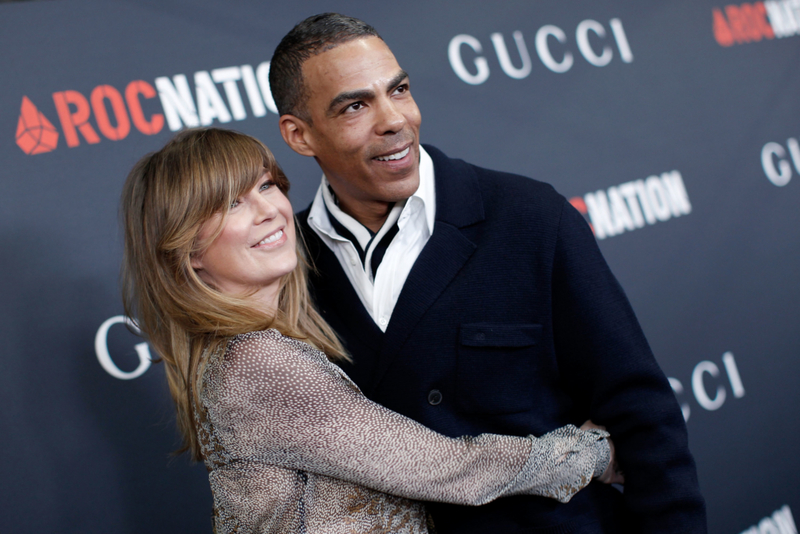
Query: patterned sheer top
[293, 446]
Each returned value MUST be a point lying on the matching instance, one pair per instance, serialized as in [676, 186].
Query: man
[472, 300]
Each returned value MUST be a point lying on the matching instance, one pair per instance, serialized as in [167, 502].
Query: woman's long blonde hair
[166, 199]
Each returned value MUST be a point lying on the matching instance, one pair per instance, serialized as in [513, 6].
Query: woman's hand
[612, 474]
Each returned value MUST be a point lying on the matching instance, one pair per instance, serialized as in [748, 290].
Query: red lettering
[132, 92]
[737, 24]
[742, 24]
[722, 33]
[72, 120]
[579, 204]
[750, 18]
[98, 96]
[761, 22]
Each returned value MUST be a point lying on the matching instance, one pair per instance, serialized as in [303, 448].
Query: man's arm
[611, 372]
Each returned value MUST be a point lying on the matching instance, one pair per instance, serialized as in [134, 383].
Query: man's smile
[396, 155]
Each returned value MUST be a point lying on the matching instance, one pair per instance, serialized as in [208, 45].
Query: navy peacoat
[511, 322]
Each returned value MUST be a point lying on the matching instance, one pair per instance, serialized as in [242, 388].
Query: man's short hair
[314, 35]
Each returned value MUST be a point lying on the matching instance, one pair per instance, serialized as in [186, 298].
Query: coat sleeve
[612, 373]
[275, 400]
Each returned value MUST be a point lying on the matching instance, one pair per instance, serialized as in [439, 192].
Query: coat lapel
[338, 302]
[458, 204]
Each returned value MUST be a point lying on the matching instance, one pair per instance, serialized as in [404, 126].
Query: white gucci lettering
[553, 53]
[701, 393]
[103, 356]
[780, 172]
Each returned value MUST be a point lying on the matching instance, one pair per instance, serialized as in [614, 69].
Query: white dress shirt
[415, 217]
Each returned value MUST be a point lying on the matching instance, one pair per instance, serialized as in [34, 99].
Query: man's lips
[395, 156]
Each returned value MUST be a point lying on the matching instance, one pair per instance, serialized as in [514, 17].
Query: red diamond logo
[35, 134]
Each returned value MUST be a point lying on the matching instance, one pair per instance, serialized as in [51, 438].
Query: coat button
[434, 397]
[480, 336]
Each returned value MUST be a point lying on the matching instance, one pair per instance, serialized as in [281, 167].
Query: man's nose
[390, 118]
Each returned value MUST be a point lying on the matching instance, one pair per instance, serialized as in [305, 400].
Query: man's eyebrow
[394, 82]
[359, 94]
[363, 94]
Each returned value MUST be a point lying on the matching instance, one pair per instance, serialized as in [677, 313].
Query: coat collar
[458, 195]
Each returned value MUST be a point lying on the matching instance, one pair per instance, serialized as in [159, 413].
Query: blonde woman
[215, 278]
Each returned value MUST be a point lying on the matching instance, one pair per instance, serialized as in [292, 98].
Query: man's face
[364, 129]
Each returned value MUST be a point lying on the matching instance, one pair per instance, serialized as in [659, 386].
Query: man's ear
[296, 133]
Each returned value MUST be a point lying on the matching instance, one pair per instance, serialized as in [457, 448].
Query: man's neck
[371, 214]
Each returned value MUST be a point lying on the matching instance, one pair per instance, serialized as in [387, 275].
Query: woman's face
[255, 248]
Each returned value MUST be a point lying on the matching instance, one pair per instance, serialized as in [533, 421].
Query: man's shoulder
[512, 184]
[495, 186]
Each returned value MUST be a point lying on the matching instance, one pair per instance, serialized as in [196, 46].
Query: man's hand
[612, 474]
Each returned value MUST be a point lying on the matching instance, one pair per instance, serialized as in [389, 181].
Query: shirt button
[382, 321]
[353, 262]
[434, 397]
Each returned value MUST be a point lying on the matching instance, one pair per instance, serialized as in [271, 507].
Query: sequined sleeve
[278, 401]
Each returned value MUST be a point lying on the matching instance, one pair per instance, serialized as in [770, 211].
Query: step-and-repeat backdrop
[673, 126]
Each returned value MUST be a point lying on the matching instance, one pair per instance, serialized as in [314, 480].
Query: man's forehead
[355, 64]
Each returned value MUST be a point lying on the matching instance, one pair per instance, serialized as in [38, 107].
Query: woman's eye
[266, 185]
[235, 203]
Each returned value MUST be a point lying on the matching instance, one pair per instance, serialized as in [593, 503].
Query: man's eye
[401, 89]
[355, 106]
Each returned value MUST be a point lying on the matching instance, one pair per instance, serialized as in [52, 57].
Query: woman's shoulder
[269, 344]
[270, 338]
[256, 339]
[256, 361]
[273, 352]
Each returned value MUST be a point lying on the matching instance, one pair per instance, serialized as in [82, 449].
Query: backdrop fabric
[674, 127]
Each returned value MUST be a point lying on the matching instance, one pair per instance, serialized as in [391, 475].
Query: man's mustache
[394, 145]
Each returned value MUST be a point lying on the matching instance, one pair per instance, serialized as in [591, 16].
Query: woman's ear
[296, 133]
[196, 261]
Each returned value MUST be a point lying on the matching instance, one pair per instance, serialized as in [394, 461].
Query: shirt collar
[427, 190]
[426, 193]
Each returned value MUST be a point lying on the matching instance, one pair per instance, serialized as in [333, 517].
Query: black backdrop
[672, 125]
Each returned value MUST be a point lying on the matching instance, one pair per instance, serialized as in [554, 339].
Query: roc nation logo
[35, 134]
[752, 22]
[635, 204]
[112, 114]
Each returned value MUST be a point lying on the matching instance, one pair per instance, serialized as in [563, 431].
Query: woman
[212, 276]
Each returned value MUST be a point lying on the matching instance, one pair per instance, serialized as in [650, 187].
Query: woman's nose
[264, 209]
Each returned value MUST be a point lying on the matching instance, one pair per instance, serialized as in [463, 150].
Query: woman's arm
[275, 400]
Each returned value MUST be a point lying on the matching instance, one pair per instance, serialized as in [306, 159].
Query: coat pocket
[496, 367]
